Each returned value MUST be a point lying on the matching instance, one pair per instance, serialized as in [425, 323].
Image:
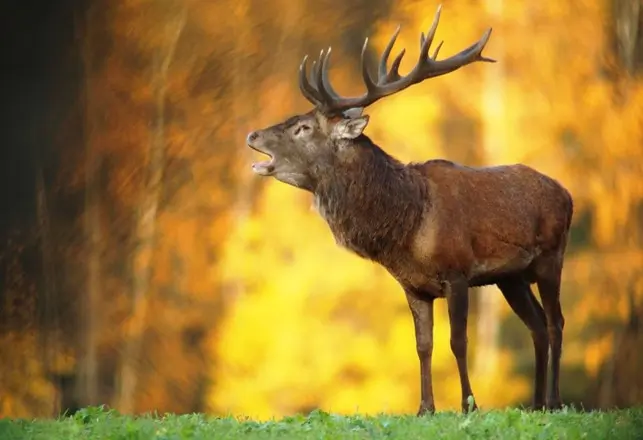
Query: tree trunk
[88, 368]
[626, 34]
[620, 384]
[487, 341]
[146, 226]
[47, 328]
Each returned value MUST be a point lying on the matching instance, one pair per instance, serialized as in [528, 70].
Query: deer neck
[371, 202]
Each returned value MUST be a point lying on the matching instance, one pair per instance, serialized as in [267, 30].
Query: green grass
[96, 423]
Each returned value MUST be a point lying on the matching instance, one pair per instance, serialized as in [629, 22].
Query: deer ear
[354, 112]
[350, 128]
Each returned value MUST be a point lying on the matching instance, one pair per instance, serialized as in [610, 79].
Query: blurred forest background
[145, 267]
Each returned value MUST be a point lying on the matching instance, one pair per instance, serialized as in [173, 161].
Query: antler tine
[324, 74]
[316, 78]
[480, 45]
[324, 87]
[319, 76]
[368, 81]
[311, 79]
[382, 72]
[426, 42]
[437, 49]
[325, 81]
[394, 74]
[305, 86]
[320, 65]
[314, 74]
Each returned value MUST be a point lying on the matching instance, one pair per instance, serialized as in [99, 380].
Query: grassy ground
[95, 423]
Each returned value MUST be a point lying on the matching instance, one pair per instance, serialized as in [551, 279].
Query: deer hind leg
[458, 305]
[548, 276]
[522, 301]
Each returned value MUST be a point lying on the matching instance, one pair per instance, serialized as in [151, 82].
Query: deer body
[427, 221]
[437, 227]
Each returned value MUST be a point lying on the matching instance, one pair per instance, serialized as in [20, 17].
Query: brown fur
[438, 228]
[431, 221]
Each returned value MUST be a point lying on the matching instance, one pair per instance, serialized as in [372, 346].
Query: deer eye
[301, 128]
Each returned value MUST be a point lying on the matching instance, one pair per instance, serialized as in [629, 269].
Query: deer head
[305, 145]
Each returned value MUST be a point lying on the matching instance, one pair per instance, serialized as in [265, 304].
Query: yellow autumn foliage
[252, 308]
[315, 325]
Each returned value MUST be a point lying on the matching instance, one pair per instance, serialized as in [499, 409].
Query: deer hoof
[426, 409]
[555, 405]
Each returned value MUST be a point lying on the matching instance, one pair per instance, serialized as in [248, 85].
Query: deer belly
[416, 277]
[486, 270]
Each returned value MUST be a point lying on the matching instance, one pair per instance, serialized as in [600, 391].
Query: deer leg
[548, 281]
[458, 305]
[422, 311]
[522, 301]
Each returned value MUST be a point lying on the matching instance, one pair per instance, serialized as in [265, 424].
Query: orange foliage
[285, 348]
[249, 293]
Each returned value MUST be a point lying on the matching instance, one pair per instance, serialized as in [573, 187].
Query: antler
[318, 90]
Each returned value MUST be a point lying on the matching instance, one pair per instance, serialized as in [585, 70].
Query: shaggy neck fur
[372, 202]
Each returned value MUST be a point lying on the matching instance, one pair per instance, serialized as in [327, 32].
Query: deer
[437, 227]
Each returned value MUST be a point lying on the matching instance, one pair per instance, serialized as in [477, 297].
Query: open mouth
[265, 167]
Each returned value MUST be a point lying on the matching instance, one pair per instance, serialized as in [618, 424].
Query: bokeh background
[145, 267]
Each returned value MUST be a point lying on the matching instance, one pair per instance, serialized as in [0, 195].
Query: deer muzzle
[263, 168]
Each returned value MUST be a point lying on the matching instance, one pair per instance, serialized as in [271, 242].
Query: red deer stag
[437, 227]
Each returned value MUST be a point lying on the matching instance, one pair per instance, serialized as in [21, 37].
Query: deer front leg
[422, 311]
[458, 304]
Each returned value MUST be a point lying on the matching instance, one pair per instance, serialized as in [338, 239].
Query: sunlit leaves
[561, 118]
[248, 285]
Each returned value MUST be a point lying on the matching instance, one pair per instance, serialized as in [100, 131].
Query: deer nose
[252, 136]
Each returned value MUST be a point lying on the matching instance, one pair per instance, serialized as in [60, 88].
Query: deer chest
[352, 234]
